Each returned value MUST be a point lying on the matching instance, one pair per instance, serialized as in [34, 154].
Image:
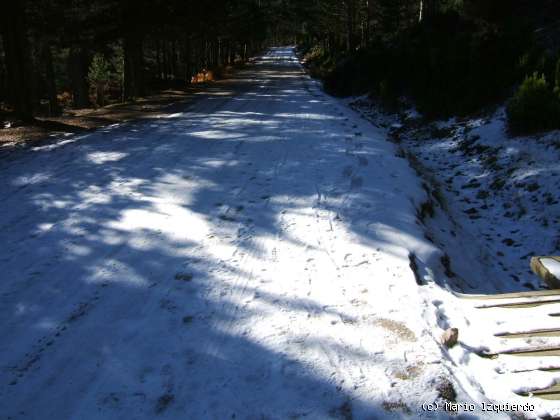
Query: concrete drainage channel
[542, 338]
[540, 341]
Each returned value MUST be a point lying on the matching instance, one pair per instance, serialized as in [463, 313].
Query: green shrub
[351, 75]
[99, 70]
[99, 75]
[388, 96]
[534, 106]
[319, 62]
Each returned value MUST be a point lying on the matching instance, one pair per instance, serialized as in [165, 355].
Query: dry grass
[409, 372]
[398, 328]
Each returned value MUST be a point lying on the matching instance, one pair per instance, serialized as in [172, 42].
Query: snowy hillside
[494, 204]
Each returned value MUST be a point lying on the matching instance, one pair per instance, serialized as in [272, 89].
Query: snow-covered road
[245, 258]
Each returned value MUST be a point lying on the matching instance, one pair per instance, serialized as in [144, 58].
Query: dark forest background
[447, 57]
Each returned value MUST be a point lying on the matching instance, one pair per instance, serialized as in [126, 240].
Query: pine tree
[99, 75]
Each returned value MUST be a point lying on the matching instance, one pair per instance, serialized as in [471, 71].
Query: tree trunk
[3, 84]
[428, 8]
[188, 59]
[165, 61]
[133, 66]
[173, 60]
[214, 53]
[350, 25]
[232, 54]
[77, 68]
[54, 107]
[100, 93]
[18, 65]
[206, 61]
[3, 81]
[158, 60]
[369, 17]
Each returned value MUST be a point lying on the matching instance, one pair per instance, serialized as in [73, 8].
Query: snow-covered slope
[506, 192]
[248, 257]
[495, 204]
[502, 193]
